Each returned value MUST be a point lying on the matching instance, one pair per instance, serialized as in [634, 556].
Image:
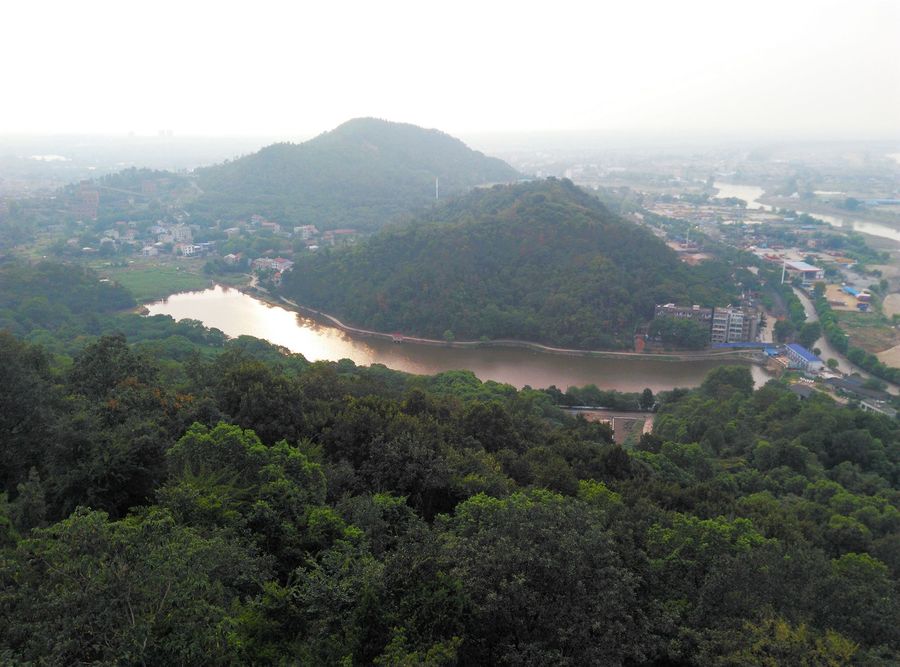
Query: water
[749, 193]
[862, 226]
[238, 314]
[752, 193]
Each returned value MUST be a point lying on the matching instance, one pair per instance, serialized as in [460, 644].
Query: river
[236, 313]
[748, 193]
[752, 194]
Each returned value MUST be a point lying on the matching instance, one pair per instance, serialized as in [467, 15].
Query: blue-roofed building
[803, 359]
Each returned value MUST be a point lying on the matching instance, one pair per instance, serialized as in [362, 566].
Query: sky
[822, 69]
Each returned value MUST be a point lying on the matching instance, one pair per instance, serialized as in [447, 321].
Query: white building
[803, 359]
[807, 273]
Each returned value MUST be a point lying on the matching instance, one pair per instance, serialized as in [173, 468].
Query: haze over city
[446, 334]
[819, 70]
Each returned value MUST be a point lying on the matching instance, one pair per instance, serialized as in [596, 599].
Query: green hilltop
[362, 174]
[542, 261]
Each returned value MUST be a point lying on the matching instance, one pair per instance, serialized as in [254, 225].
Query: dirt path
[891, 356]
[891, 305]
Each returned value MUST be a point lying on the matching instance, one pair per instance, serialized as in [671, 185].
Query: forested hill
[362, 174]
[541, 261]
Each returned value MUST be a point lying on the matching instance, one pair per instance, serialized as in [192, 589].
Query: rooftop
[802, 266]
[803, 352]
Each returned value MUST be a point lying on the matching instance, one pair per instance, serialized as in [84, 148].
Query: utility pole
[783, 270]
[437, 189]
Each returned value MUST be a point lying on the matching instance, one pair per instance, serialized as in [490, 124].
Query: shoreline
[739, 356]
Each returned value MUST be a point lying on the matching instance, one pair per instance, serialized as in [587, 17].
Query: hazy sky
[819, 68]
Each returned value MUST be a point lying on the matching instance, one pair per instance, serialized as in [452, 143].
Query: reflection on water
[749, 193]
[862, 226]
[752, 193]
[238, 314]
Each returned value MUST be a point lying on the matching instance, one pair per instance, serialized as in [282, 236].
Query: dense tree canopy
[224, 502]
[362, 175]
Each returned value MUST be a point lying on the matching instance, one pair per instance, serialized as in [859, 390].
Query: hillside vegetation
[542, 261]
[361, 175]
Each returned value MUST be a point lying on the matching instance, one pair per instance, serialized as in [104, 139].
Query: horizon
[809, 70]
[586, 140]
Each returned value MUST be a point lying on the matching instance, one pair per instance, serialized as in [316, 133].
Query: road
[707, 355]
[828, 351]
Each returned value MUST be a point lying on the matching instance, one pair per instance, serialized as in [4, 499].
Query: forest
[170, 496]
[542, 261]
[363, 175]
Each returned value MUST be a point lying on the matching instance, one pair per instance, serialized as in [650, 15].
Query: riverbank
[240, 313]
[710, 355]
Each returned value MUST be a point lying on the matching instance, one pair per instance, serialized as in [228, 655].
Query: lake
[236, 313]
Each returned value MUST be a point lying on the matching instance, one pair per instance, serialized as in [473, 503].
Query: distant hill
[542, 261]
[362, 174]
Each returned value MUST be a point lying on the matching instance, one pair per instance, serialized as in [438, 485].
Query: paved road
[706, 355]
[844, 364]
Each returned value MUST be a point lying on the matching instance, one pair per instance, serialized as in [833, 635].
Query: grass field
[149, 283]
[869, 331]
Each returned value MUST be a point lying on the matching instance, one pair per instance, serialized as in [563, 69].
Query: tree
[783, 330]
[859, 600]
[543, 583]
[106, 363]
[808, 334]
[143, 590]
[647, 400]
[832, 363]
[680, 333]
[226, 477]
[723, 381]
[28, 403]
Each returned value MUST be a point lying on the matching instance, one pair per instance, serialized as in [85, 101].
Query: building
[807, 273]
[854, 387]
[306, 232]
[87, 201]
[186, 249]
[802, 391]
[733, 325]
[880, 407]
[802, 358]
[182, 234]
[694, 313]
[280, 264]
